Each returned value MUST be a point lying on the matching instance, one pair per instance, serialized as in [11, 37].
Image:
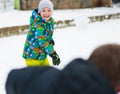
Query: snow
[6, 5]
[16, 17]
[70, 42]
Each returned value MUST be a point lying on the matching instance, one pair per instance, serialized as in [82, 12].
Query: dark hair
[107, 59]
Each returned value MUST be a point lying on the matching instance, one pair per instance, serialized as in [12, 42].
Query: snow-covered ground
[16, 17]
[70, 42]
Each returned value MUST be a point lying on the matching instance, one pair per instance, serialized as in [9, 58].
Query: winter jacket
[32, 80]
[37, 45]
[78, 77]
[81, 77]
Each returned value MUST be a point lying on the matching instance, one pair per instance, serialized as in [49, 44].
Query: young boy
[39, 42]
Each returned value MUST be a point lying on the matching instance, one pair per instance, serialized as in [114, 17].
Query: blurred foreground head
[78, 77]
[107, 59]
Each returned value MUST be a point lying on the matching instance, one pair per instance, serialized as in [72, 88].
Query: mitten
[55, 58]
[52, 42]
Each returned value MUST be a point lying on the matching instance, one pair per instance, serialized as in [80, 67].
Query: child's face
[46, 13]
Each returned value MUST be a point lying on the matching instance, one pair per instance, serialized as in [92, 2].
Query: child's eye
[49, 10]
[46, 10]
[43, 10]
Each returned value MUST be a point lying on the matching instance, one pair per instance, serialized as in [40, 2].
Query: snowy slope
[16, 17]
[70, 42]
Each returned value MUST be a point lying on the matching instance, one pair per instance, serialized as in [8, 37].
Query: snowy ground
[70, 42]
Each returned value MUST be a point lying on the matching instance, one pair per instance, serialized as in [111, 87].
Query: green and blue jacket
[37, 45]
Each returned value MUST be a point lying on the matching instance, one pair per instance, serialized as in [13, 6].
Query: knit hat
[45, 3]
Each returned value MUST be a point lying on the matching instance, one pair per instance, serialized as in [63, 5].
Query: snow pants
[31, 62]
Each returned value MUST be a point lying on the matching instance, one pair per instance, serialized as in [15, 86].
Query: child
[107, 59]
[39, 42]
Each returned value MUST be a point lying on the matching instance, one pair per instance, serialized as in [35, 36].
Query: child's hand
[52, 42]
[55, 58]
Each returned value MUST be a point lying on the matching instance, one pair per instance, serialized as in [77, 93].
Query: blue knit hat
[45, 3]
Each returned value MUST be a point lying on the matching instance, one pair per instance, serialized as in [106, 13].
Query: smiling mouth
[46, 16]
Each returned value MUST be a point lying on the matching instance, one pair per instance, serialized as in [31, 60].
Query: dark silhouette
[78, 77]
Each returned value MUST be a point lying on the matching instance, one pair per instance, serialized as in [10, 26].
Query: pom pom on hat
[45, 3]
